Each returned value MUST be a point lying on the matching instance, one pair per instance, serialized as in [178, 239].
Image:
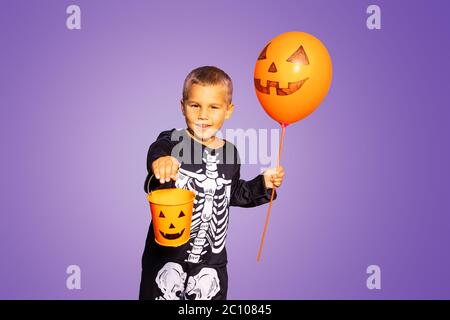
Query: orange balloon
[292, 76]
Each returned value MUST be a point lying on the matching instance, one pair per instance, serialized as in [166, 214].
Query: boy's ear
[229, 111]
[182, 107]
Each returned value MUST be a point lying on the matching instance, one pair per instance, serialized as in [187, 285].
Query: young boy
[195, 159]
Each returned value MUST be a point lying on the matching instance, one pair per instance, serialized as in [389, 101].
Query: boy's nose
[203, 114]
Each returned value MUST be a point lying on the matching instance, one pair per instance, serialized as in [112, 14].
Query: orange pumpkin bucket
[171, 211]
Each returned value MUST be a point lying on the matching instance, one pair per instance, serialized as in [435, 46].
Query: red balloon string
[283, 131]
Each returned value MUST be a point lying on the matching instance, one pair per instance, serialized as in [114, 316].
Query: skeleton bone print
[198, 268]
[210, 216]
[171, 281]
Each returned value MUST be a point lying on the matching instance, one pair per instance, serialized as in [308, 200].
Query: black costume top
[214, 176]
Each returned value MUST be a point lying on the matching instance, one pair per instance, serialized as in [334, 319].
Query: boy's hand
[273, 177]
[165, 168]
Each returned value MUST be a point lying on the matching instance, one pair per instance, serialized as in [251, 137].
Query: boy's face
[205, 110]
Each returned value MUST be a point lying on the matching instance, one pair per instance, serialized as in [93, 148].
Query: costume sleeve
[160, 148]
[250, 193]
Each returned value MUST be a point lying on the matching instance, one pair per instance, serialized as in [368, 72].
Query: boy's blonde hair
[207, 75]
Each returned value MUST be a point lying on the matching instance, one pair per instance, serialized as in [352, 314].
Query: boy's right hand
[165, 168]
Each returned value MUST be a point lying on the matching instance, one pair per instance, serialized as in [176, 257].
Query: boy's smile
[205, 110]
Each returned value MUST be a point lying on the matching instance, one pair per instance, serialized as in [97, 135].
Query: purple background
[367, 175]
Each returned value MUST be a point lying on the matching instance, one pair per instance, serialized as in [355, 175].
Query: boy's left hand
[273, 177]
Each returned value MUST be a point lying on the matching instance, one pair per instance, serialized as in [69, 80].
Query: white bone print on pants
[170, 280]
[210, 217]
[204, 285]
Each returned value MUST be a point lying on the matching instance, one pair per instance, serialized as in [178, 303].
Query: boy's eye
[215, 107]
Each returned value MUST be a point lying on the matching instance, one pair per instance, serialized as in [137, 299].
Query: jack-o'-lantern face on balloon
[292, 76]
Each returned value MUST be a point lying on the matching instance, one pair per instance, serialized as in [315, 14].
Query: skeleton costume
[197, 269]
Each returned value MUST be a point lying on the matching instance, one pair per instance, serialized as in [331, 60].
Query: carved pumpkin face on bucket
[171, 215]
[171, 223]
[292, 76]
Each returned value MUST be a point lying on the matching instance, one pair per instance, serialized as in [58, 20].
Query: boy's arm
[250, 193]
[160, 148]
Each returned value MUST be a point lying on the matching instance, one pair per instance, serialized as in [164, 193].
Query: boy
[195, 159]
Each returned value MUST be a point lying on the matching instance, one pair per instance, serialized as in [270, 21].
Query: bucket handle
[148, 183]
